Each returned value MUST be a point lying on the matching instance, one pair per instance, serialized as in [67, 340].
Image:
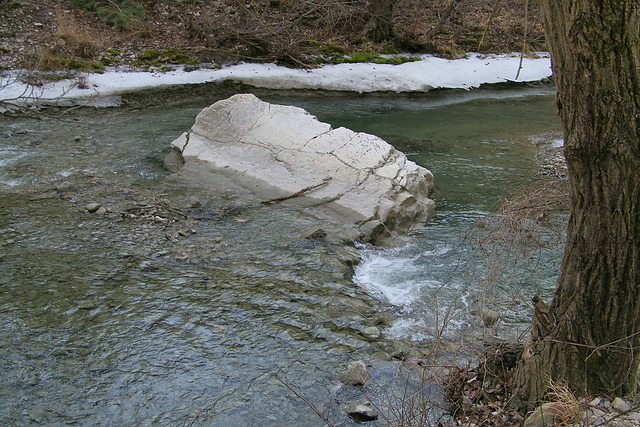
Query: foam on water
[437, 281]
[397, 274]
[416, 279]
[8, 157]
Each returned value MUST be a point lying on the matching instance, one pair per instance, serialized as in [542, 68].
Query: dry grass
[567, 405]
[72, 43]
[75, 37]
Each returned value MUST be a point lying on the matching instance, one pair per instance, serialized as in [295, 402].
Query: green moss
[455, 54]
[310, 43]
[149, 55]
[389, 50]
[169, 56]
[394, 60]
[97, 67]
[113, 52]
[79, 64]
[333, 50]
[176, 57]
[471, 41]
[362, 57]
[38, 79]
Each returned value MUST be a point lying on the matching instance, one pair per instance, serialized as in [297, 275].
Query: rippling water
[480, 147]
[124, 319]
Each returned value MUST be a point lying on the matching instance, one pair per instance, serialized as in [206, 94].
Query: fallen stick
[297, 193]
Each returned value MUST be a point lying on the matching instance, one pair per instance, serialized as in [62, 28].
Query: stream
[162, 311]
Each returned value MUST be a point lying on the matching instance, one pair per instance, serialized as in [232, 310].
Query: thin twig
[524, 41]
[297, 193]
[305, 400]
[445, 15]
[486, 28]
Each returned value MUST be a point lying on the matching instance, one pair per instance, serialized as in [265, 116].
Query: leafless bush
[524, 219]
[275, 30]
[511, 248]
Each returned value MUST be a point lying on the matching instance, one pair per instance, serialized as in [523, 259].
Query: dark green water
[121, 320]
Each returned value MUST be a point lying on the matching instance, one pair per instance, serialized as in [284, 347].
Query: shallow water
[481, 146]
[134, 320]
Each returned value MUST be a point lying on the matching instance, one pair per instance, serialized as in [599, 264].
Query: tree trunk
[590, 335]
[380, 26]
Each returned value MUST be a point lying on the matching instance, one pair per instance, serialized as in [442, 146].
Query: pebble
[87, 305]
[620, 405]
[596, 413]
[595, 402]
[356, 374]
[634, 416]
[545, 415]
[92, 207]
[489, 317]
[145, 265]
[611, 413]
[362, 411]
[193, 203]
[372, 332]
[65, 186]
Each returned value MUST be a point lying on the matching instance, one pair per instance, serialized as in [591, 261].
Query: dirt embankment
[56, 34]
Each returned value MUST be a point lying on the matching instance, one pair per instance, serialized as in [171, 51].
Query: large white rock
[276, 151]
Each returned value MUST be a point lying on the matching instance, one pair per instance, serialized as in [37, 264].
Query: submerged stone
[92, 207]
[355, 375]
[284, 154]
[489, 317]
[362, 411]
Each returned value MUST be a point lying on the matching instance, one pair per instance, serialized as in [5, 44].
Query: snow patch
[420, 76]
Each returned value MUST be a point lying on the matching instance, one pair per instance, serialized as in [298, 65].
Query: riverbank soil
[52, 35]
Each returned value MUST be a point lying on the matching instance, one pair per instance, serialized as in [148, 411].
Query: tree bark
[591, 335]
[380, 25]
